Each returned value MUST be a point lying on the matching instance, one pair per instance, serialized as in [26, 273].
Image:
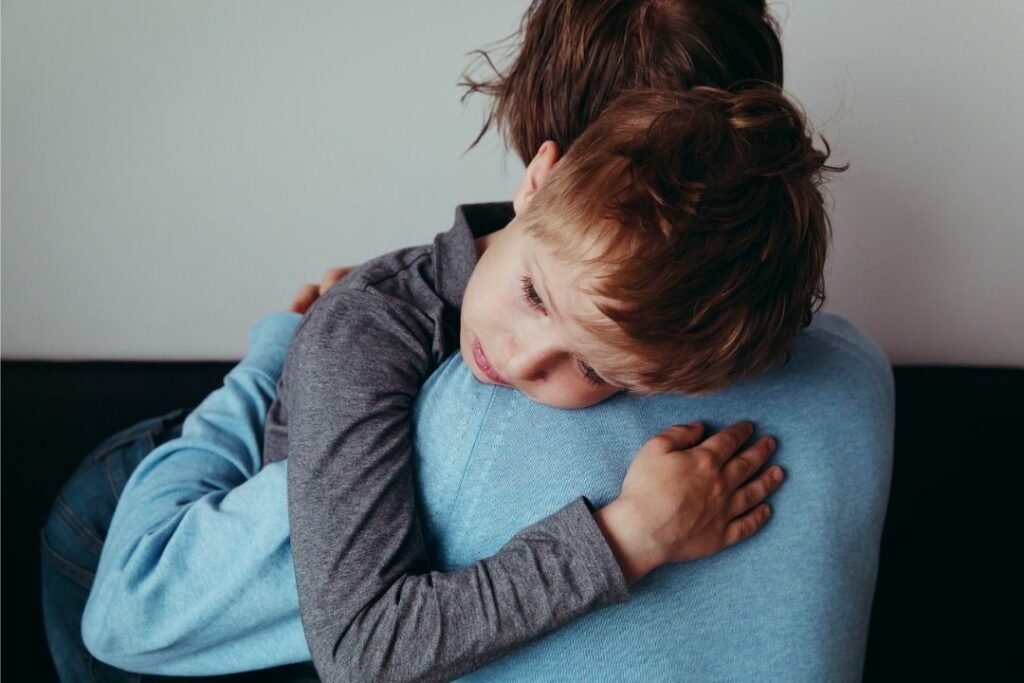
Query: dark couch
[942, 607]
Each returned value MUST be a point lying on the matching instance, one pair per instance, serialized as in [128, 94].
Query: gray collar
[455, 250]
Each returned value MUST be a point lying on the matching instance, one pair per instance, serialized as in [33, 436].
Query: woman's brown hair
[573, 57]
[699, 224]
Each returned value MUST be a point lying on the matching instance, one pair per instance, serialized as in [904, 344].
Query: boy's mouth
[485, 365]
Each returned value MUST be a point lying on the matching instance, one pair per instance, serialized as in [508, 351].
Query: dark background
[945, 605]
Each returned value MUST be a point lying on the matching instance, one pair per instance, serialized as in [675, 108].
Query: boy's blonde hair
[702, 213]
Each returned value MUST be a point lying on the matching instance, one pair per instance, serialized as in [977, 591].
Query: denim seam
[159, 427]
[112, 480]
[96, 457]
[69, 517]
[70, 569]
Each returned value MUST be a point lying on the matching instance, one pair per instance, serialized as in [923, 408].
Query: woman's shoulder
[832, 347]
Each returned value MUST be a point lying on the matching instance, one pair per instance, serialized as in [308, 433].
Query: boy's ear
[536, 172]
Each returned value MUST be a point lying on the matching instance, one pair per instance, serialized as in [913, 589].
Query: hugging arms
[792, 603]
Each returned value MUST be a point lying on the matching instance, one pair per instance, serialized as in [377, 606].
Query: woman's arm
[196, 574]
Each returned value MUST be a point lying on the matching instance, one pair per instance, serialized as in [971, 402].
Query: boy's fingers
[755, 492]
[747, 525]
[726, 442]
[743, 465]
[680, 437]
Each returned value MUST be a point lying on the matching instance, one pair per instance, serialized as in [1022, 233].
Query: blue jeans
[71, 542]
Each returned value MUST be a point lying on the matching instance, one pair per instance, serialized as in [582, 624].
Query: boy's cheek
[588, 399]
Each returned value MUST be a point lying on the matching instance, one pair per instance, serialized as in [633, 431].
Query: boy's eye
[534, 300]
[530, 294]
[590, 374]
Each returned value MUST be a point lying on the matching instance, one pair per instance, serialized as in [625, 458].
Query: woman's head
[575, 56]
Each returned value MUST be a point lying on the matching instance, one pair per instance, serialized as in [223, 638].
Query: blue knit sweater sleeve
[199, 543]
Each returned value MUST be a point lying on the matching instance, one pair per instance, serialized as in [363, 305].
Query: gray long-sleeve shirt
[372, 608]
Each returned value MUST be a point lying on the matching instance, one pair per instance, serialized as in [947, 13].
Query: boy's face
[519, 316]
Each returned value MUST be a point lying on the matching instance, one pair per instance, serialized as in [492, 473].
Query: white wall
[173, 170]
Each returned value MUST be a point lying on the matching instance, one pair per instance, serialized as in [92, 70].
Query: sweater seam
[469, 459]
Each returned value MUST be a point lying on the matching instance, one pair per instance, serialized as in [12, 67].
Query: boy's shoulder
[403, 273]
[387, 285]
[383, 272]
[387, 303]
[412, 294]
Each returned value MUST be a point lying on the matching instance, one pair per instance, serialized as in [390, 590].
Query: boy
[677, 247]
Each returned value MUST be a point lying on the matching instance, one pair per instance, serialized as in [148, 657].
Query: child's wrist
[623, 529]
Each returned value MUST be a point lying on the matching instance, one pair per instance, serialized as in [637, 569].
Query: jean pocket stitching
[100, 453]
[110, 480]
[173, 418]
[77, 525]
[107, 450]
[66, 567]
[130, 467]
[153, 425]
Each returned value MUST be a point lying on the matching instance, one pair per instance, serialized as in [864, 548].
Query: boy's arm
[195, 575]
[371, 607]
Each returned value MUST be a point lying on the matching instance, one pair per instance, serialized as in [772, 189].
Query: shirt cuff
[589, 543]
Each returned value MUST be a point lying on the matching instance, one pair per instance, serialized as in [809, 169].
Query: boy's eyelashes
[590, 374]
[534, 300]
[530, 294]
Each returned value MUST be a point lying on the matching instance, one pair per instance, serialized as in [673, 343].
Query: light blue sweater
[196, 574]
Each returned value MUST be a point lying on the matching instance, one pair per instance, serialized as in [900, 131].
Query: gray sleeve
[372, 609]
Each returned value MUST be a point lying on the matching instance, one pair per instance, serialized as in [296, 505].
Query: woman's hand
[685, 498]
[310, 293]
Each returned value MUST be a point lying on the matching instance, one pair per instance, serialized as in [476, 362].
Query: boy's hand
[684, 498]
[309, 293]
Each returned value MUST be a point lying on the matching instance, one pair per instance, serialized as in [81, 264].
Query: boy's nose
[531, 362]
